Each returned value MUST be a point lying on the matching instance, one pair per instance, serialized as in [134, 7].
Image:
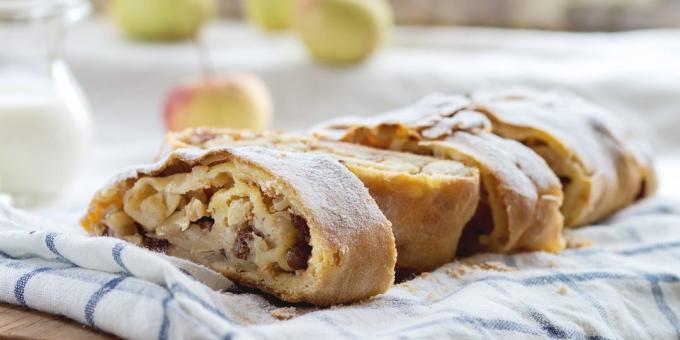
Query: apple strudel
[269, 219]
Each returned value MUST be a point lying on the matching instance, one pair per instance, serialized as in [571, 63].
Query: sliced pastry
[602, 165]
[520, 195]
[428, 200]
[299, 226]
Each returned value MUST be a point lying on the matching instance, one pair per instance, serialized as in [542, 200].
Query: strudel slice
[428, 200]
[298, 226]
[601, 164]
[520, 195]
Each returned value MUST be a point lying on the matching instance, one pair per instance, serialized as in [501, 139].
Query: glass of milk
[45, 126]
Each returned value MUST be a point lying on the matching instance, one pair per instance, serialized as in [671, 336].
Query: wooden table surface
[22, 323]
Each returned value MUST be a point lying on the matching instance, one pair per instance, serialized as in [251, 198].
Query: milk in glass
[44, 119]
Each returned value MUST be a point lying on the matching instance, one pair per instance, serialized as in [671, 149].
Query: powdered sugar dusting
[340, 202]
[425, 113]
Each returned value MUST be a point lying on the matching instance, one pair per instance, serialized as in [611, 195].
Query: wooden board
[22, 323]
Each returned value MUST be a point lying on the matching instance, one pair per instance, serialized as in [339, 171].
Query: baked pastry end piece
[268, 219]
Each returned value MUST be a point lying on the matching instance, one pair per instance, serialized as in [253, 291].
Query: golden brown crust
[428, 200]
[522, 192]
[602, 164]
[353, 252]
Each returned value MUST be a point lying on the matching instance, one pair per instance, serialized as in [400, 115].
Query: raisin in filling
[156, 244]
[152, 243]
[298, 255]
[206, 223]
[241, 248]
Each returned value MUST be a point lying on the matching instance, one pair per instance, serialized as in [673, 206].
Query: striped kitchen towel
[620, 280]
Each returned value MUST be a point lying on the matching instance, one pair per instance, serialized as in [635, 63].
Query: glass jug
[45, 125]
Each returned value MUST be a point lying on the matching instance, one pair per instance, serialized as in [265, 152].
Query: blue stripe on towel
[663, 306]
[650, 248]
[164, 330]
[165, 325]
[49, 242]
[587, 297]
[551, 329]
[554, 331]
[97, 296]
[20, 286]
[117, 253]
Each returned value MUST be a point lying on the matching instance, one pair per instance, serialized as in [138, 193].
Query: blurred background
[572, 15]
[128, 70]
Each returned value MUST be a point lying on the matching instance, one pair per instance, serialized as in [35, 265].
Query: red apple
[240, 101]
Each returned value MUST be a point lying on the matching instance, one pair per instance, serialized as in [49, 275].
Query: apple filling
[215, 217]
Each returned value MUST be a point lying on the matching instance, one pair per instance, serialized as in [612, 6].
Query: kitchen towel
[619, 279]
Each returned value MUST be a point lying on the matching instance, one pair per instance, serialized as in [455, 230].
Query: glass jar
[45, 125]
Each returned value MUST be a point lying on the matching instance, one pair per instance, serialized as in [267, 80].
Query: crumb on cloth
[562, 290]
[465, 268]
[495, 266]
[287, 313]
[408, 287]
[574, 242]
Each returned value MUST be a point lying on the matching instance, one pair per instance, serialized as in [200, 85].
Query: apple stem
[204, 57]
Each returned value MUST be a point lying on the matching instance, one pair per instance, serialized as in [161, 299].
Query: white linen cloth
[626, 285]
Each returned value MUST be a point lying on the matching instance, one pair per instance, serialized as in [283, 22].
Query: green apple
[270, 15]
[161, 19]
[240, 101]
[342, 31]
